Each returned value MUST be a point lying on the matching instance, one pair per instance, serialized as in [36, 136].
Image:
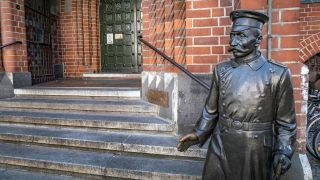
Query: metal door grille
[39, 26]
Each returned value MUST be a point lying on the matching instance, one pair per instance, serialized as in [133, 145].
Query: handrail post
[192, 76]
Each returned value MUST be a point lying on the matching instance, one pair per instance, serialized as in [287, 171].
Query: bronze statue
[249, 112]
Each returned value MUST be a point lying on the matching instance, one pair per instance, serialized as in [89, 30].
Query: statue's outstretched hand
[186, 141]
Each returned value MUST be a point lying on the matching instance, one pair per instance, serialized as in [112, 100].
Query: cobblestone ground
[315, 166]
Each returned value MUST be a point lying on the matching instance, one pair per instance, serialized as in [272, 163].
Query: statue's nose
[234, 42]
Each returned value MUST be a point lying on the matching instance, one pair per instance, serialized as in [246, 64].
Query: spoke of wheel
[316, 144]
[311, 135]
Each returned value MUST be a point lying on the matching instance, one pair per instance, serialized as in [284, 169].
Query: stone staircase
[90, 133]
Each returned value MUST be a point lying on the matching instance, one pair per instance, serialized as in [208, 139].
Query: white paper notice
[110, 38]
[118, 36]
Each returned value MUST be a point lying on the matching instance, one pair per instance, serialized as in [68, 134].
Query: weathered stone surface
[117, 105]
[142, 144]
[81, 91]
[115, 141]
[104, 164]
[100, 121]
[6, 86]
[13, 174]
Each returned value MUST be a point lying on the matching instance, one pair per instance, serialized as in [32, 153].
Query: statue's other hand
[281, 161]
[186, 141]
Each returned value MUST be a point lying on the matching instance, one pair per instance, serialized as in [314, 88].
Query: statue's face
[245, 42]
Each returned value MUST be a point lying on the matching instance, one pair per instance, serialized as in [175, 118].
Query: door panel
[120, 51]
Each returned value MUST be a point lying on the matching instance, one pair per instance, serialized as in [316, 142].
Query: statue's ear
[258, 40]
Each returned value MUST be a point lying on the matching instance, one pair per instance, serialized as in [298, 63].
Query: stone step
[93, 120]
[48, 104]
[111, 76]
[14, 174]
[97, 163]
[164, 145]
[106, 92]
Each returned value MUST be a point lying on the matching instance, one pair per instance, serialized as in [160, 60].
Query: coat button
[260, 108]
[224, 104]
[223, 92]
[262, 95]
[271, 70]
[224, 115]
[267, 83]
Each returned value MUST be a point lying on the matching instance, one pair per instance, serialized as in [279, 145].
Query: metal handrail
[9, 44]
[192, 76]
[6, 45]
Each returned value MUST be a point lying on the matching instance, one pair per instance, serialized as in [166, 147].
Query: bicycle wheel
[312, 130]
[316, 144]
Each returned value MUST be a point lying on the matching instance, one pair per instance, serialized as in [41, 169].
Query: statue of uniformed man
[249, 112]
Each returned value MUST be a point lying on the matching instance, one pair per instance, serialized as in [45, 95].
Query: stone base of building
[181, 99]
[9, 81]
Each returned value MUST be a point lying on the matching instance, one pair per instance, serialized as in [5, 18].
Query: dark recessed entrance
[120, 23]
[41, 23]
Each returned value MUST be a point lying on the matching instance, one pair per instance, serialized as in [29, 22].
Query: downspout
[269, 36]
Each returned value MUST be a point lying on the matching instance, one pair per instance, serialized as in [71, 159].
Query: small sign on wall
[110, 38]
[118, 36]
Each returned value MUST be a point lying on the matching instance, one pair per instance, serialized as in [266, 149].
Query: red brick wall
[309, 30]
[12, 29]
[208, 28]
[164, 27]
[78, 33]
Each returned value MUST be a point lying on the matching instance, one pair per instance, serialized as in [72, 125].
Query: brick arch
[309, 47]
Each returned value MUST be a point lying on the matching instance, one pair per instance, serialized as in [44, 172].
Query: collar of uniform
[258, 63]
[255, 64]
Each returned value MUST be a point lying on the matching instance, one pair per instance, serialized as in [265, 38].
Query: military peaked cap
[246, 19]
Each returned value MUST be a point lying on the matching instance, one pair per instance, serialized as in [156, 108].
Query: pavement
[315, 167]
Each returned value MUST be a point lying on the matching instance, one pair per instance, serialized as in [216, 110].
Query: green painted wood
[120, 24]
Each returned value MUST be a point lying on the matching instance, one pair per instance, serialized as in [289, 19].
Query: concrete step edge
[108, 75]
[140, 108]
[117, 93]
[102, 164]
[18, 174]
[88, 124]
[93, 170]
[100, 145]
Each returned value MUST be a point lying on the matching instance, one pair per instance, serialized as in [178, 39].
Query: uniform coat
[249, 115]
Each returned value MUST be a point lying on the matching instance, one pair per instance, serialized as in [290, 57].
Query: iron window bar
[192, 76]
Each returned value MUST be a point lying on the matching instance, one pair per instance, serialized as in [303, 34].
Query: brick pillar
[15, 64]
[12, 29]
[78, 37]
